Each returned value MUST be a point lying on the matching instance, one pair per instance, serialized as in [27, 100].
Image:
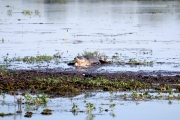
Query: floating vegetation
[64, 84]
[31, 59]
[28, 114]
[90, 107]
[39, 99]
[46, 112]
[99, 82]
[6, 114]
[136, 62]
[26, 12]
[29, 12]
[116, 58]
[112, 106]
[74, 108]
[95, 53]
[3, 69]
[146, 52]
[149, 96]
[3, 95]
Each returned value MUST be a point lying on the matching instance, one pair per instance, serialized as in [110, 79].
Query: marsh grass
[75, 108]
[117, 85]
[29, 12]
[90, 53]
[3, 68]
[37, 100]
[133, 61]
[117, 58]
[31, 59]
[99, 82]
[46, 112]
[90, 107]
[26, 12]
[6, 114]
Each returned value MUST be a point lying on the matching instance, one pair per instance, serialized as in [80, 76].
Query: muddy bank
[70, 83]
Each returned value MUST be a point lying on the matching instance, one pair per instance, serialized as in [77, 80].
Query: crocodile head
[81, 61]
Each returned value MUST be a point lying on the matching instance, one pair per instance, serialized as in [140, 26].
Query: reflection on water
[124, 27]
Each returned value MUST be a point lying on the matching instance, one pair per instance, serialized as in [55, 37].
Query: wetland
[39, 40]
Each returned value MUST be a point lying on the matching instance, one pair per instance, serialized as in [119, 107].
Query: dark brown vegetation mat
[73, 83]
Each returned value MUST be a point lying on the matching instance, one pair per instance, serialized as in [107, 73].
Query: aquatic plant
[159, 95]
[46, 112]
[135, 62]
[31, 59]
[90, 107]
[147, 95]
[178, 97]
[134, 95]
[6, 114]
[6, 57]
[3, 69]
[112, 106]
[75, 108]
[170, 91]
[112, 114]
[95, 53]
[28, 98]
[169, 102]
[3, 95]
[26, 12]
[39, 99]
[28, 114]
[125, 96]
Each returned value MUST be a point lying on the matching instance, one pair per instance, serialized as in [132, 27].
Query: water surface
[144, 30]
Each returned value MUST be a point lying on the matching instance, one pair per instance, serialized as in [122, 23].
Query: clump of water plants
[90, 107]
[75, 109]
[28, 114]
[46, 112]
[112, 106]
[116, 57]
[26, 12]
[3, 95]
[89, 53]
[38, 100]
[6, 114]
[31, 59]
[135, 62]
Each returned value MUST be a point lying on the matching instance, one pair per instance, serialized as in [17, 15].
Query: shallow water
[144, 30]
[124, 109]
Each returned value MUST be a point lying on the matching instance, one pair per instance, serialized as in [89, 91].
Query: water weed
[31, 59]
[90, 107]
[74, 108]
[37, 100]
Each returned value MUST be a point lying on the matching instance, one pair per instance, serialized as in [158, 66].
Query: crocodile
[87, 60]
